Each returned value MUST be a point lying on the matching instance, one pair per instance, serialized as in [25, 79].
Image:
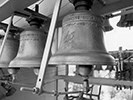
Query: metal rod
[66, 83]
[6, 34]
[62, 93]
[67, 72]
[44, 63]
[56, 48]
[99, 92]
[94, 80]
[110, 82]
[128, 11]
[56, 84]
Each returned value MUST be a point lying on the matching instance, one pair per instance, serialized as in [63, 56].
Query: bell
[32, 43]
[106, 25]
[121, 22]
[126, 20]
[10, 50]
[98, 67]
[82, 41]
[84, 70]
[129, 20]
[110, 68]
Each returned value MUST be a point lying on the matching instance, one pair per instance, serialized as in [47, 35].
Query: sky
[118, 36]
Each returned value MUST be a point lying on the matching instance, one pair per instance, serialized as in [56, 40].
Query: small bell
[106, 25]
[129, 20]
[98, 67]
[121, 22]
[97, 70]
[126, 20]
[110, 68]
[85, 70]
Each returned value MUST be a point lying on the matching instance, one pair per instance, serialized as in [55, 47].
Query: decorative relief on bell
[68, 40]
[21, 47]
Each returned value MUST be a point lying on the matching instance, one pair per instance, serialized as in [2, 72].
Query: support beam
[94, 80]
[113, 7]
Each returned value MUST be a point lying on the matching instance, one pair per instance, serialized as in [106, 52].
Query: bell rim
[4, 65]
[81, 60]
[25, 63]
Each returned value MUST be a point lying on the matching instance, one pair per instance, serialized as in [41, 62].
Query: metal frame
[113, 7]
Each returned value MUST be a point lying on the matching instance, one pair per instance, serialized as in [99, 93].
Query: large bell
[32, 42]
[126, 20]
[10, 50]
[106, 25]
[82, 41]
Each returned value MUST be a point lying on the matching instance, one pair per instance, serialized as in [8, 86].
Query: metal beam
[113, 7]
[94, 80]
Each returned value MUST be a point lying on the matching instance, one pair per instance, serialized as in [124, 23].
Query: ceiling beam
[113, 7]
[14, 5]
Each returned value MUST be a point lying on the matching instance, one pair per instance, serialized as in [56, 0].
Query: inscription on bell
[30, 37]
[68, 39]
[80, 17]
